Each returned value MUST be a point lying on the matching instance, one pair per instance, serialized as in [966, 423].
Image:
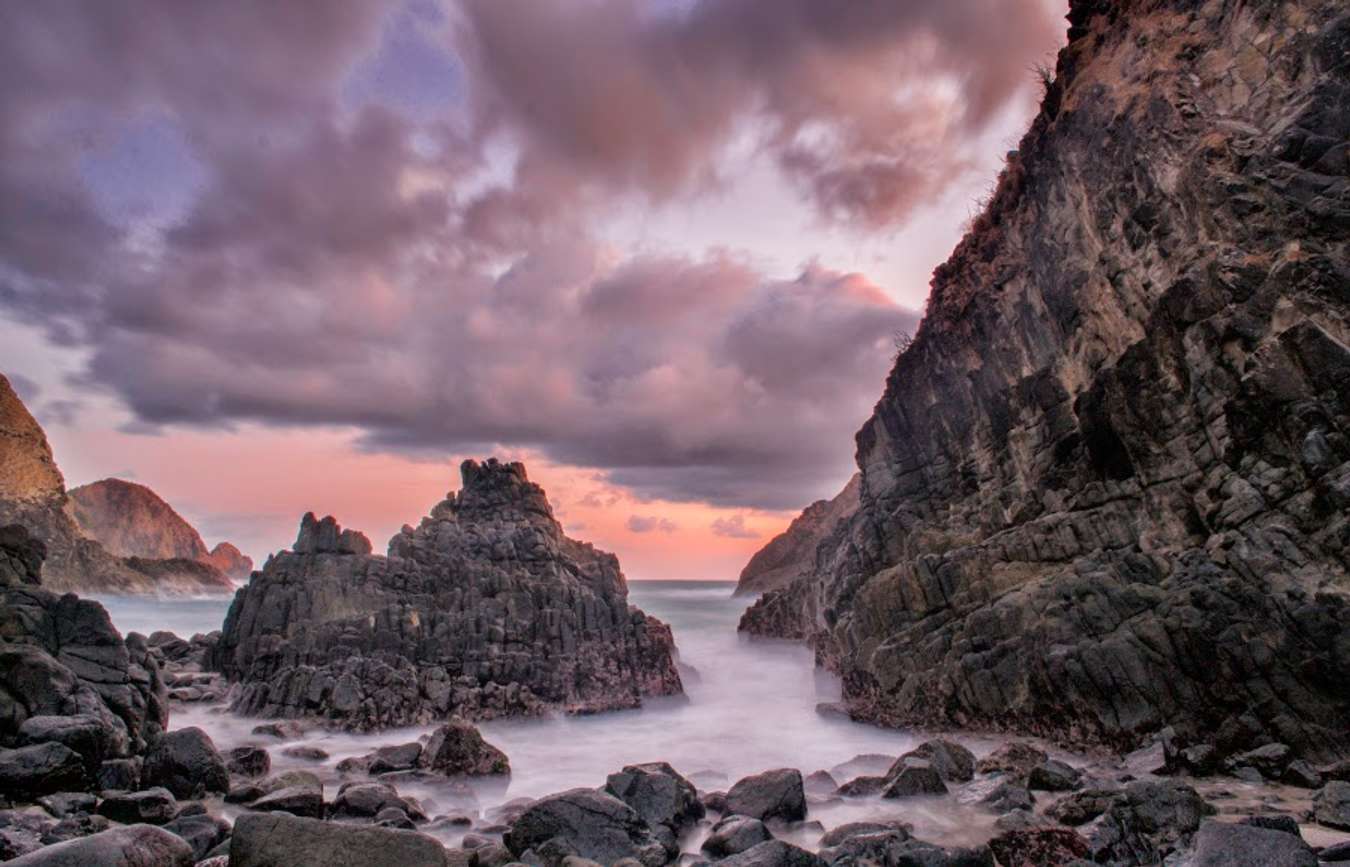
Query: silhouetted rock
[1107, 488]
[486, 609]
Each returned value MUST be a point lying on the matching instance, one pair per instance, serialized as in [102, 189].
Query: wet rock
[1221, 844]
[1082, 807]
[40, 769]
[1053, 775]
[586, 823]
[1145, 820]
[458, 749]
[714, 802]
[863, 787]
[1287, 824]
[93, 737]
[735, 834]
[282, 730]
[152, 806]
[1337, 853]
[301, 800]
[913, 777]
[1301, 774]
[65, 804]
[274, 840]
[133, 846]
[773, 853]
[248, 761]
[21, 832]
[185, 762]
[1331, 806]
[866, 764]
[1006, 797]
[202, 832]
[820, 783]
[776, 794]
[119, 774]
[394, 817]
[304, 753]
[400, 757]
[448, 623]
[953, 762]
[75, 826]
[1270, 760]
[1039, 848]
[1022, 819]
[1015, 759]
[838, 835]
[366, 800]
[664, 799]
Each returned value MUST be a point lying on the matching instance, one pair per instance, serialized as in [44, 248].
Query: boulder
[94, 737]
[862, 787]
[1222, 844]
[458, 749]
[773, 853]
[1015, 759]
[301, 800]
[776, 794]
[835, 836]
[41, 769]
[1331, 806]
[305, 754]
[656, 792]
[1053, 775]
[1048, 847]
[201, 831]
[248, 761]
[1147, 820]
[953, 762]
[735, 834]
[913, 777]
[65, 804]
[365, 800]
[186, 762]
[400, 757]
[1007, 797]
[585, 823]
[152, 806]
[119, 774]
[1270, 760]
[132, 846]
[446, 625]
[288, 841]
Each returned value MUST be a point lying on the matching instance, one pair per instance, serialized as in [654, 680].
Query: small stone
[915, 777]
[153, 806]
[308, 754]
[1053, 775]
[735, 834]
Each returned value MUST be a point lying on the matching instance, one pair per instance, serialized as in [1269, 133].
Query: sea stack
[1107, 490]
[485, 609]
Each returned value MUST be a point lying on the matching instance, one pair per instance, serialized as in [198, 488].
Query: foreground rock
[588, 824]
[1220, 844]
[132, 846]
[457, 749]
[1131, 510]
[186, 762]
[288, 841]
[777, 794]
[665, 800]
[486, 609]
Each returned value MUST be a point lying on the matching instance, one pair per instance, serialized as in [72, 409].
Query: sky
[269, 259]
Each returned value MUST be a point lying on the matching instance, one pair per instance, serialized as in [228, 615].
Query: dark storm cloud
[358, 264]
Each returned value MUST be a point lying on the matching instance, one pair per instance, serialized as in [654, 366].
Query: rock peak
[28, 472]
[496, 488]
[326, 537]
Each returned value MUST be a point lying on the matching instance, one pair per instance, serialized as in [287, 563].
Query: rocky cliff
[485, 609]
[33, 495]
[130, 520]
[1106, 488]
[792, 553]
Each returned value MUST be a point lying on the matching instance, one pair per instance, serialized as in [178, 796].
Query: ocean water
[752, 706]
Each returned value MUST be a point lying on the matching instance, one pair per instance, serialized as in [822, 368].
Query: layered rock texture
[792, 553]
[130, 520]
[485, 609]
[1106, 489]
[33, 495]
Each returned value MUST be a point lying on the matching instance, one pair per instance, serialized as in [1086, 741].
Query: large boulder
[1039, 847]
[585, 823]
[94, 737]
[41, 769]
[912, 777]
[485, 609]
[202, 831]
[185, 762]
[288, 841]
[153, 806]
[131, 846]
[773, 853]
[1331, 805]
[776, 794]
[458, 749]
[1223, 844]
[953, 762]
[664, 799]
[1107, 487]
[1146, 820]
[734, 834]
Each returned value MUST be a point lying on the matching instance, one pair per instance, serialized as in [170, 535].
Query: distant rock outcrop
[1107, 489]
[486, 609]
[33, 495]
[792, 553]
[130, 520]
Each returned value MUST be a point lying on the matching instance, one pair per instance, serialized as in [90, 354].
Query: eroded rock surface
[485, 609]
[1106, 488]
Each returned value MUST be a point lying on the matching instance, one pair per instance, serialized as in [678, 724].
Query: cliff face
[33, 495]
[130, 520]
[792, 553]
[1106, 489]
[486, 609]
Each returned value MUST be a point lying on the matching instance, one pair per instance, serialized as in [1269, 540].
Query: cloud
[650, 524]
[733, 528]
[305, 240]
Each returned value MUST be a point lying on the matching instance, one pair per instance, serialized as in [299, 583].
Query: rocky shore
[485, 609]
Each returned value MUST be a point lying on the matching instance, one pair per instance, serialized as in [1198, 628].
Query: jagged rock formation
[792, 553]
[1106, 489]
[485, 609]
[33, 495]
[230, 560]
[68, 677]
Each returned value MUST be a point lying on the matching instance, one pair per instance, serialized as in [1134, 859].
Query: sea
[750, 706]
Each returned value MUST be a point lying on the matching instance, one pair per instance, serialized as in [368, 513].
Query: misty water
[751, 706]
